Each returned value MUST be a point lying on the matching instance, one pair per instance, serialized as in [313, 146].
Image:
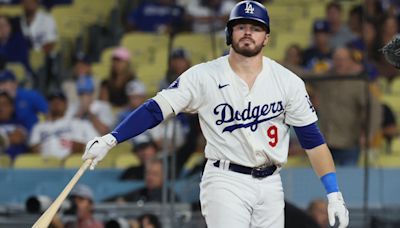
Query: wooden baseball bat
[47, 216]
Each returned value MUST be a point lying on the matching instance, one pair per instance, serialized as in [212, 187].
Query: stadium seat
[152, 72]
[5, 161]
[315, 11]
[303, 26]
[100, 71]
[69, 27]
[36, 59]
[95, 13]
[200, 46]
[396, 146]
[395, 86]
[149, 56]
[297, 161]
[285, 11]
[389, 161]
[126, 160]
[36, 161]
[393, 101]
[75, 161]
[106, 54]
[281, 40]
[68, 21]
[18, 69]
[196, 158]
[11, 10]
[145, 47]
[122, 148]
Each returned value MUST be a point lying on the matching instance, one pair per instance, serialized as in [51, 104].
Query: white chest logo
[249, 8]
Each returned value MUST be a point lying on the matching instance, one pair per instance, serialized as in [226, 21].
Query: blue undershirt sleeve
[146, 116]
[309, 136]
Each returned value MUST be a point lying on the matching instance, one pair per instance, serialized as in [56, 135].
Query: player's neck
[247, 68]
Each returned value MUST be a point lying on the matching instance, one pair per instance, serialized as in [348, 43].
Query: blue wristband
[330, 182]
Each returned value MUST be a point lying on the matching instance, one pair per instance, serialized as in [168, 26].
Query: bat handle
[47, 216]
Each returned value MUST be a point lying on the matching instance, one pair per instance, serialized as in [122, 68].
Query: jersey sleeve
[83, 131]
[51, 32]
[34, 138]
[299, 109]
[186, 94]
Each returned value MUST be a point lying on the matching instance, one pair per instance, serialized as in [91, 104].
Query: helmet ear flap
[228, 35]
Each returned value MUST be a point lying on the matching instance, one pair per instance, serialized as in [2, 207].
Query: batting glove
[337, 207]
[97, 148]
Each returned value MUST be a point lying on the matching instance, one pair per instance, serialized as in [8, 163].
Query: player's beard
[246, 51]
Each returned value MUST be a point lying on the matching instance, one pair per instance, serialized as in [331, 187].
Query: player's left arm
[321, 160]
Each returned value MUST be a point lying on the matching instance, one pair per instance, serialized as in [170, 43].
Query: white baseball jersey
[42, 29]
[101, 109]
[56, 137]
[247, 127]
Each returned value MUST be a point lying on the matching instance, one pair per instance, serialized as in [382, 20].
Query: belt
[257, 172]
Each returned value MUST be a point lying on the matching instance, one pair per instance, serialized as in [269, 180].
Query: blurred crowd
[53, 113]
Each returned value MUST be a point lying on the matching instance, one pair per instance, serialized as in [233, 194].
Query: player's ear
[266, 40]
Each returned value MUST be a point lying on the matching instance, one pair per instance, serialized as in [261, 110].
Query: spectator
[38, 26]
[113, 88]
[196, 161]
[28, 103]
[355, 20]
[147, 221]
[209, 15]
[82, 68]
[179, 62]
[146, 150]
[97, 112]
[13, 134]
[51, 3]
[293, 59]
[163, 16]
[366, 47]
[13, 46]
[152, 192]
[59, 136]
[83, 204]
[318, 209]
[389, 126]
[391, 7]
[373, 9]
[340, 34]
[318, 57]
[342, 109]
[388, 29]
[137, 95]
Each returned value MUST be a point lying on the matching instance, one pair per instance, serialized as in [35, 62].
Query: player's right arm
[185, 94]
[146, 116]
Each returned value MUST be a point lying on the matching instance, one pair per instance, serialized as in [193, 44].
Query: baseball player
[246, 103]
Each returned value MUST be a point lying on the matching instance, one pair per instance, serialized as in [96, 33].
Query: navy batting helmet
[249, 10]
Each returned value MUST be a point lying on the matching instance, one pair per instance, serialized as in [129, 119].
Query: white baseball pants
[235, 200]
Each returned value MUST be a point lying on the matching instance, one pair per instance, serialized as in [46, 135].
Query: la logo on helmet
[249, 8]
